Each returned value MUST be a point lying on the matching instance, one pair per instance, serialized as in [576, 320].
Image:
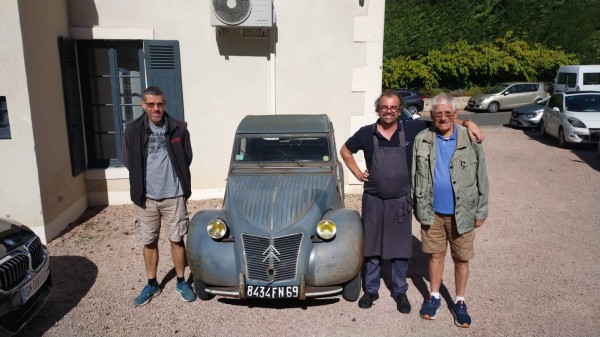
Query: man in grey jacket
[450, 199]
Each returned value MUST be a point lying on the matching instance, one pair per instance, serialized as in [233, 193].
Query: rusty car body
[283, 231]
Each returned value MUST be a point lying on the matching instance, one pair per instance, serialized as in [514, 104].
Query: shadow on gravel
[418, 272]
[587, 153]
[72, 278]
[87, 215]
[275, 304]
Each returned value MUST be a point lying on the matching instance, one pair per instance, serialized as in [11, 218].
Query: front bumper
[14, 314]
[287, 259]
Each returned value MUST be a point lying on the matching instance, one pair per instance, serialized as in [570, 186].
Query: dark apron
[386, 207]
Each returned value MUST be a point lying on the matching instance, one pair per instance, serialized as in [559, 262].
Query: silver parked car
[283, 231]
[572, 117]
[528, 115]
[507, 96]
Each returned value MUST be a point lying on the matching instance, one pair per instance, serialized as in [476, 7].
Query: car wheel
[412, 109]
[542, 128]
[200, 289]
[562, 141]
[493, 107]
[351, 289]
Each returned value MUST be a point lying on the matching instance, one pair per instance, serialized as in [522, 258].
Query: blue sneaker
[147, 294]
[185, 291]
[431, 307]
[461, 316]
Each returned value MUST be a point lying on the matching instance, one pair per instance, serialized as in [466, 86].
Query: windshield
[583, 103]
[263, 149]
[496, 89]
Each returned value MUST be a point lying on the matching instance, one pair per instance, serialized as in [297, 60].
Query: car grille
[271, 259]
[15, 269]
[36, 250]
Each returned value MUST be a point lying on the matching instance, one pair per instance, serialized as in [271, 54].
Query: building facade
[73, 72]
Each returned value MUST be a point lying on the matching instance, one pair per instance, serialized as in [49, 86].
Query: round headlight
[216, 228]
[326, 229]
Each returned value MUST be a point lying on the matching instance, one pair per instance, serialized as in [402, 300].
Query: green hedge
[463, 65]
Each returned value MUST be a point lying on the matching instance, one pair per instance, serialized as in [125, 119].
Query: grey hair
[442, 99]
[154, 91]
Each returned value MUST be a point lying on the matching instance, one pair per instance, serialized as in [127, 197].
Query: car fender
[211, 261]
[340, 259]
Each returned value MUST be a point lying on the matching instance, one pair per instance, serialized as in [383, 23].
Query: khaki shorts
[434, 238]
[171, 212]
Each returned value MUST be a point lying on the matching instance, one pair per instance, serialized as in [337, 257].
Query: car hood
[272, 203]
[590, 119]
[530, 108]
[15, 231]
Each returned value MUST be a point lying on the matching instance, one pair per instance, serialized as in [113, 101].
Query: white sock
[459, 298]
[436, 295]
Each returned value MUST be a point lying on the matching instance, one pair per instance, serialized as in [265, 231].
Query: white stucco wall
[20, 197]
[321, 57]
[327, 59]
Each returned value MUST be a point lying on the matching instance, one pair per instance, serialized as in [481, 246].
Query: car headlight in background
[216, 228]
[532, 114]
[326, 229]
[575, 122]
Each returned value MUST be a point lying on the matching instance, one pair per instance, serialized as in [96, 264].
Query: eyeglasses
[151, 105]
[385, 108]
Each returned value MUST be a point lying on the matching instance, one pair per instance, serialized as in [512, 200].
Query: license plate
[34, 285]
[271, 292]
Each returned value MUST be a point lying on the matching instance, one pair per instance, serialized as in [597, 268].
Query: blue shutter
[163, 69]
[75, 128]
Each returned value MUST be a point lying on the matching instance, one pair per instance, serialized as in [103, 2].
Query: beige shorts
[171, 212]
[434, 238]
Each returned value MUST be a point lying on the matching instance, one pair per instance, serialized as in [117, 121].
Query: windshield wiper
[290, 158]
[249, 156]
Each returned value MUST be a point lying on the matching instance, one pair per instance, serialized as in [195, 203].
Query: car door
[553, 117]
[511, 96]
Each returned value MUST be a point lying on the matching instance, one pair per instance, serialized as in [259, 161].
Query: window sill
[107, 173]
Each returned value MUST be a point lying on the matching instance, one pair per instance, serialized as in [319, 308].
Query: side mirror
[555, 109]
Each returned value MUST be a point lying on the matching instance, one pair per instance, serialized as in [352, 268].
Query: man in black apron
[386, 203]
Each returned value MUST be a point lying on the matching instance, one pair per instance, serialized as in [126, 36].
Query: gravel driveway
[535, 273]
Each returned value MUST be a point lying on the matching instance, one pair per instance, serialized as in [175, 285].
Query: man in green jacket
[450, 200]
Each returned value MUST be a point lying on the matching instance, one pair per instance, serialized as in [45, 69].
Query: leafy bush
[462, 65]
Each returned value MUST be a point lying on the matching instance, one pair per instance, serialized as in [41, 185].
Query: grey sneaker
[147, 294]
[185, 291]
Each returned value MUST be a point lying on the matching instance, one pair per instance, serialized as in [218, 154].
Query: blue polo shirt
[443, 194]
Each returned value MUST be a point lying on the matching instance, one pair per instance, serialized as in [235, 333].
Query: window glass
[567, 78]
[111, 91]
[283, 149]
[4, 124]
[591, 78]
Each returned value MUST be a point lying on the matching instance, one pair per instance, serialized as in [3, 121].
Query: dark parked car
[25, 280]
[528, 115]
[411, 100]
[283, 231]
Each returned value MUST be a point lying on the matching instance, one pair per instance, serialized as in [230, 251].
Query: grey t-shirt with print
[161, 179]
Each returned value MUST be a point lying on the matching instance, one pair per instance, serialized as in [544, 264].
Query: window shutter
[163, 69]
[66, 48]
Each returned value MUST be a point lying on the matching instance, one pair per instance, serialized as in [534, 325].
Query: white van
[577, 78]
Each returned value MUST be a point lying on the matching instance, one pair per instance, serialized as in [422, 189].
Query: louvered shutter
[75, 128]
[163, 69]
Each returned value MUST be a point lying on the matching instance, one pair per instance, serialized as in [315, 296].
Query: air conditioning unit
[241, 13]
